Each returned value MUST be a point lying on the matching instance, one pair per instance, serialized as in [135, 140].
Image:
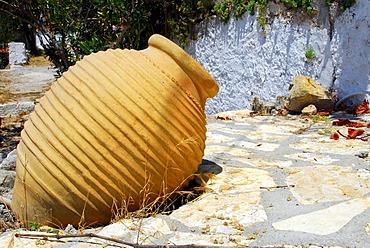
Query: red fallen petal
[354, 124]
[360, 111]
[334, 136]
[347, 123]
[341, 122]
[368, 125]
[353, 133]
[363, 108]
[226, 118]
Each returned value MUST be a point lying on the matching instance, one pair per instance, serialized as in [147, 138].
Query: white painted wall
[247, 62]
[351, 50]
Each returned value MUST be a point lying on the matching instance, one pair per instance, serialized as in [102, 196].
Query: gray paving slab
[327, 204]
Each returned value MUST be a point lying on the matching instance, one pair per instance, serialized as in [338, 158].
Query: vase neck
[194, 78]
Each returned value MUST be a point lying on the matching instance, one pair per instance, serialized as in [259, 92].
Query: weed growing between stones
[34, 225]
[318, 118]
[310, 52]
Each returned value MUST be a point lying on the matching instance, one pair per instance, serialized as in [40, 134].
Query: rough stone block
[17, 53]
[305, 91]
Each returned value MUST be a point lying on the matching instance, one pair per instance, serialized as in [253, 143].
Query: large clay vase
[117, 130]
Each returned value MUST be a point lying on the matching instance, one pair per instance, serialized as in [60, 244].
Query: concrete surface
[284, 183]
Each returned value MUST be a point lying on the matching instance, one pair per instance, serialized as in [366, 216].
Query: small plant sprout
[34, 226]
[318, 118]
[310, 52]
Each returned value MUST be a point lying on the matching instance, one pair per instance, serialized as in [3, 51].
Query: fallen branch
[93, 235]
[64, 236]
[278, 187]
[363, 138]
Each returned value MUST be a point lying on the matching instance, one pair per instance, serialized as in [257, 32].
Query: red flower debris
[223, 118]
[283, 112]
[356, 125]
[360, 109]
[353, 133]
[334, 136]
[341, 122]
[363, 108]
[348, 123]
[4, 50]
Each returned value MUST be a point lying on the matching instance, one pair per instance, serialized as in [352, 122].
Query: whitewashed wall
[351, 51]
[247, 62]
[17, 54]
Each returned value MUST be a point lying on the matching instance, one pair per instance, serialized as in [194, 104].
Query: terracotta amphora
[117, 130]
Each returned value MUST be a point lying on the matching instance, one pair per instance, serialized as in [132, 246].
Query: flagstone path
[281, 182]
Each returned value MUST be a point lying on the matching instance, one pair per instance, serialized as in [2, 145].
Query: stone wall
[248, 62]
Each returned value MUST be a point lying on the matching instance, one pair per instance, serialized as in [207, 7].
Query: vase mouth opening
[205, 84]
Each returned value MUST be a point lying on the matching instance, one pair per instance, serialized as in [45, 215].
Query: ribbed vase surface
[117, 130]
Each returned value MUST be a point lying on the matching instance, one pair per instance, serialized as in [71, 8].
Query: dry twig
[277, 187]
[93, 235]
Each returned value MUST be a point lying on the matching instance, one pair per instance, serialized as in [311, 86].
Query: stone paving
[284, 183]
[25, 83]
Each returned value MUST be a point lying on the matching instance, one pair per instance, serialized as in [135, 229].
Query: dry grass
[189, 189]
[151, 203]
[164, 204]
[38, 61]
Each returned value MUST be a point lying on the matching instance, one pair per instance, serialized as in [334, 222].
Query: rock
[9, 162]
[7, 178]
[13, 115]
[309, 110]
[281, 102]
[17, 53]
[321, 131]
[305, 91]
[70, 229]
[262, 108]
[16, 108]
